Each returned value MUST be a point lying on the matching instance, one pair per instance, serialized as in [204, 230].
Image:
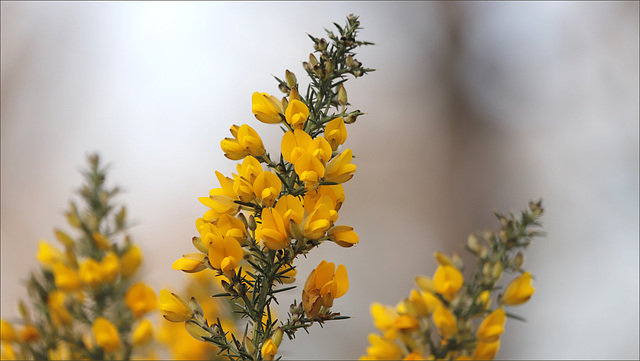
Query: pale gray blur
[476, 106]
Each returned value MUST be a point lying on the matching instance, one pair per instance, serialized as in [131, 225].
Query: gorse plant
[84, 301]
[437, 319]
[260, 220]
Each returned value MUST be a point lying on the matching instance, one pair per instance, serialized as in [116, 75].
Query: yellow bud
[496, 271]
[492, 326]
[106, 334]
[473, 244]
[269, 350]
[442, 259]
[130, 261]
[426, 284]
[342, 95]
[63, 238]
[518, 291]
[142, 334]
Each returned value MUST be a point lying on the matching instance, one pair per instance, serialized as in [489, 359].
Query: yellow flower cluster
[271, 210]
[84, 291]
[437, 320]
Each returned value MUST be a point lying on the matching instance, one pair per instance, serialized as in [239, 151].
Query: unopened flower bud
[293, 94]
[291, 79]
[473, 244]
[349, 60]
[329, 66]
[277, 336]
[342, 95]
[496, 271]
[486, 269]
[442, 259]
[252, 223]
[313, 61]
[351, 118]
[307, 66]
[457, 261]
[283, 88]
[519, 260]
[285, 103]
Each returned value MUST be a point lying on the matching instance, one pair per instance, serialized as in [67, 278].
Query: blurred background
[476, 106]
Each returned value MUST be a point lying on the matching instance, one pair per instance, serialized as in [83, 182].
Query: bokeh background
[476, 106]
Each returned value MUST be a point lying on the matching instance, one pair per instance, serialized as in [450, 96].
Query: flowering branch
[261, 220]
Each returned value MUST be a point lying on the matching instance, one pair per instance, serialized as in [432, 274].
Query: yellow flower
[140, 298]
[130, 261]
[424, 303]
[7, 333]
[232, 227]
[106, 334]
[492, 326]
[220, 200]
[59, 313]
[486, 351]
[269, 350]
[109, 267]
[266, 108]
[48, 255]
[66, 278]
[445, 321]
[190, 263]
[248, 171]
[340, 169]
[272, 231]
[518, 291]
[245, 141]
[336, 133]
[318, 222]
[296, 114]
[331, 195]
[89, 272]
[343, 235]
[267, 187]
[225, 253]
[142, 334]
[324, 284]
[294, 144]
[291, 210]
[447, 281]
[310, 170]
[383, 316]
[383, 349]
[174, 308]
[29, 334]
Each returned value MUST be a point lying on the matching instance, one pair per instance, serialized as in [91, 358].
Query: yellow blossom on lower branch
[324, 284]
[451, 305]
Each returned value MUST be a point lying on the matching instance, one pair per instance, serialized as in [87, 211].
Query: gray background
[476, 106]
